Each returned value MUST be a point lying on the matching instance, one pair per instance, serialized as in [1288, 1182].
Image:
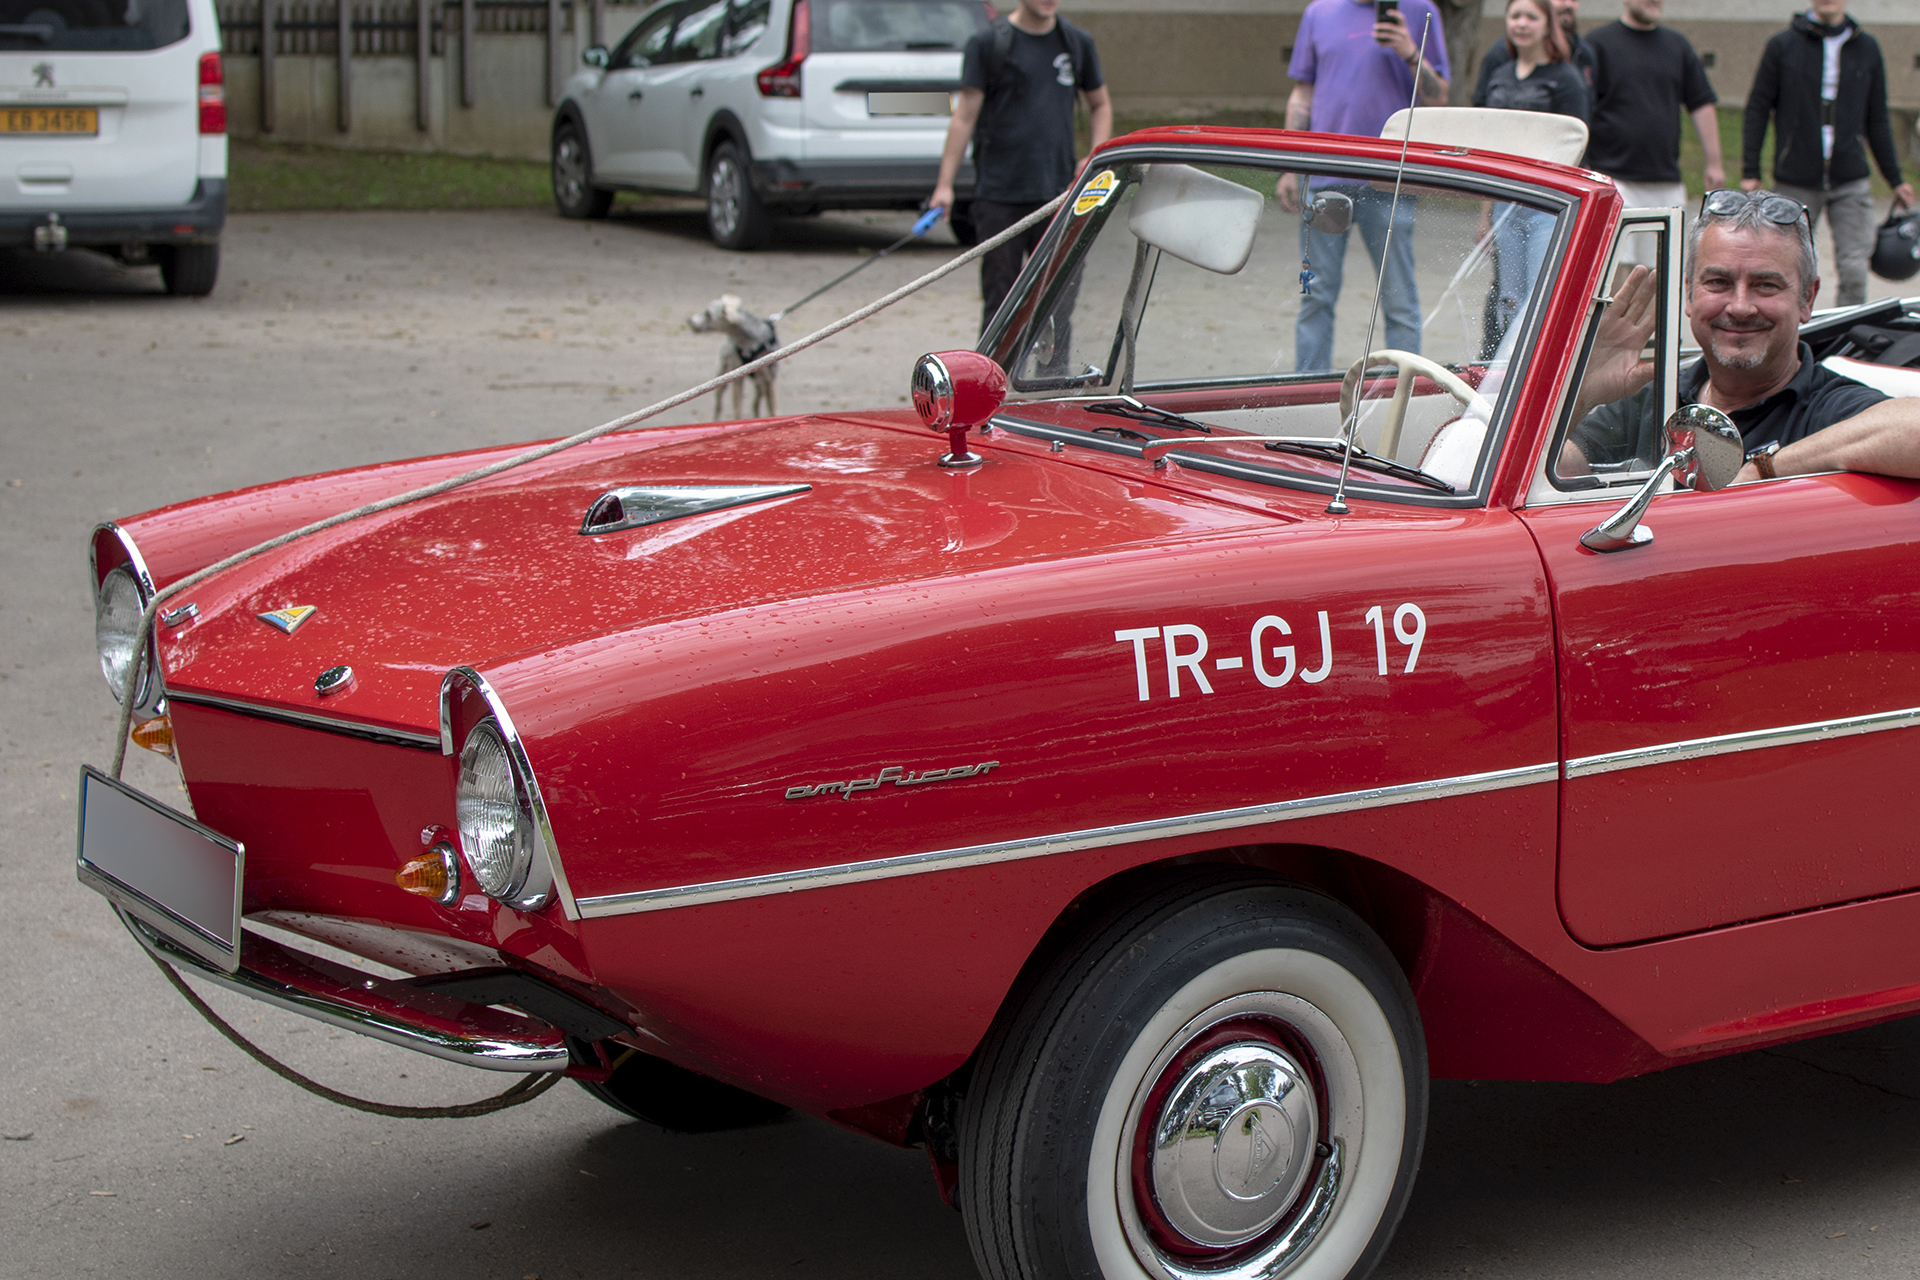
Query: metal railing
[271, 29]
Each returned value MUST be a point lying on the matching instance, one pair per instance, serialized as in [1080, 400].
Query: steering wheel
[1408, 364]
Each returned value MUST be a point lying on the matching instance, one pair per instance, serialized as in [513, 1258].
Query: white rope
[144, 632]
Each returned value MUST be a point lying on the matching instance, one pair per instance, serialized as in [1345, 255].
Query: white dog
[748, 337]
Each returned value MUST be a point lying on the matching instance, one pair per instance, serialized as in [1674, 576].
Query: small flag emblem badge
[289, 618]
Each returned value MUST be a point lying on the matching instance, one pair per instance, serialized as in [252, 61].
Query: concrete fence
[468, 76]
[481, 76]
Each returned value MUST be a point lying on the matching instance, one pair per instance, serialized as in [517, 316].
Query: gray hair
[1749, 218]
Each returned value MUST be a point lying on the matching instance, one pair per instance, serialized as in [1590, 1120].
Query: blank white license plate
[934, 103]
[163, 867]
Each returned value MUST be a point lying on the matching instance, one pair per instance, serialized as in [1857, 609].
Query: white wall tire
[1060, 1178]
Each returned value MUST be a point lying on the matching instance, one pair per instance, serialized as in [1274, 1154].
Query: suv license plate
[174, 874]
[64, 120]
[918, 103]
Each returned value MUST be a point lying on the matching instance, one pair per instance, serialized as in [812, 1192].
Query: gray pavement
[157, 1150]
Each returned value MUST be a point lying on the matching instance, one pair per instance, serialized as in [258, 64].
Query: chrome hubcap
[723, 200]
[569, 169]
[1234, 1143]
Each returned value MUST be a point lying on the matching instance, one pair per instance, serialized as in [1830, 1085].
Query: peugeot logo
[43, 75]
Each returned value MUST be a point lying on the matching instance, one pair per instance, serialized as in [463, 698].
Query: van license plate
[62, 120]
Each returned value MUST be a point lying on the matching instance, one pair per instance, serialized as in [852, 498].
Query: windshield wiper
[1131, 408]
[1334, 450]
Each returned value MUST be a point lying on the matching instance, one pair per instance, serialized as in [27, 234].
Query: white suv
[113, 132]
[765, 106]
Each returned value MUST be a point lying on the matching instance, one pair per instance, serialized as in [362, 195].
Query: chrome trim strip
[493, 1054]
[1754, 740]
[688, 895]
[542, 823]
[308, 720]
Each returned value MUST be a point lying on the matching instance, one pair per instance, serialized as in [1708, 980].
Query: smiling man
[1750, 284]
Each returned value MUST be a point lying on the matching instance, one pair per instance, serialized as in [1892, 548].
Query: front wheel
[573, 191]
[1226, 1081]
[735, 216]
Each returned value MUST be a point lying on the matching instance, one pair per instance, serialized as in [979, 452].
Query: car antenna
[1338, 507]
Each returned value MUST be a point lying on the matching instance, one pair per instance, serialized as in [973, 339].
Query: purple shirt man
[1356, 80]
[1350, 74]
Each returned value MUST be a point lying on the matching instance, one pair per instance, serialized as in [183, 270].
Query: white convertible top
[1533, 135]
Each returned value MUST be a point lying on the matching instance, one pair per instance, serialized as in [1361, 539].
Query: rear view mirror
[1704, 451]
[1197, 217]
[1329, 212]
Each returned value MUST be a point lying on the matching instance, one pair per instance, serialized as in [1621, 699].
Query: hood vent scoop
[618, 509]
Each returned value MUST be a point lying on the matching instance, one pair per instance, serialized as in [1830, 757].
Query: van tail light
[782, 80]
[213, 95]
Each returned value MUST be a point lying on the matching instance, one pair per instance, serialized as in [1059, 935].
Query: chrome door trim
[1753, 740]
[688, 895]
[308, 720]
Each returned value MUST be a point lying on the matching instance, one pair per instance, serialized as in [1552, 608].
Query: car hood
[500, 568]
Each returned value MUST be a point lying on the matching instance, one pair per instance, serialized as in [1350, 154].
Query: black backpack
[1896, 250]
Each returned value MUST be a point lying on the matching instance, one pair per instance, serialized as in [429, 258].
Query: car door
[620, 112]
[674, 121]
[1738, 692]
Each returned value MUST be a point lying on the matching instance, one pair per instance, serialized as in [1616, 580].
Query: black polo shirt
[1817, 398]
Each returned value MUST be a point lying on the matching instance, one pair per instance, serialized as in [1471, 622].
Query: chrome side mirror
[1704, 451]
[1329, 211]
[595, 55]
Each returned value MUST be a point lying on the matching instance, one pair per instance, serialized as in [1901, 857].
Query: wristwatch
[1762, 459]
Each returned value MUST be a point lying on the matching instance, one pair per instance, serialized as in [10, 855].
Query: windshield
[67, 26]
[1241, 297]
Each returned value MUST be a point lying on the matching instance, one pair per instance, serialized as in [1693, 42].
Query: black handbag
[1896, 250]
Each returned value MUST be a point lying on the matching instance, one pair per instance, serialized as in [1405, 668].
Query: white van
[764, 106]
[113, 132]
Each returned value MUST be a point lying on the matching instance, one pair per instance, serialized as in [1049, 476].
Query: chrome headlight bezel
[117, 566]
[533, 878]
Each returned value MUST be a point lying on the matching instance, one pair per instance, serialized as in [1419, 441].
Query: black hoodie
[1787, 88]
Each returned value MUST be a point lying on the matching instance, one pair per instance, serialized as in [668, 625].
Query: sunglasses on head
[1726, 203]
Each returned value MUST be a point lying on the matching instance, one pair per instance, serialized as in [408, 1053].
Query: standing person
[1535, 75]
[1019, 81]
[1566, 19]
[1352, 68]
[1643, 74]
[1823, 83]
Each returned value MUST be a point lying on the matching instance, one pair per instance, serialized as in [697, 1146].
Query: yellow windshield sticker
[1095, 193]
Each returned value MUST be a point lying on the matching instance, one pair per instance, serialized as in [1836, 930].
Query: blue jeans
[1327, 255]
[1520, 239]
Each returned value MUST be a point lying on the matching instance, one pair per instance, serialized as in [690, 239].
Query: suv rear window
[81, 26]
[868, 26]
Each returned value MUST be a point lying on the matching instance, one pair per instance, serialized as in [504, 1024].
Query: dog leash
[925, 224]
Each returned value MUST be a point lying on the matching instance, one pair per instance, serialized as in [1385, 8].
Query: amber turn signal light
[155, 735]
[434, 874]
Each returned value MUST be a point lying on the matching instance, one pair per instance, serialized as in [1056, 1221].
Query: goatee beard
[1741, 362]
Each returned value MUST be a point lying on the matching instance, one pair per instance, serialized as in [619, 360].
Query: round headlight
[496, 832]
[116, 620]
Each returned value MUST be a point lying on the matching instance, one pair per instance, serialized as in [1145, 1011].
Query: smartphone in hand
[1384, 11]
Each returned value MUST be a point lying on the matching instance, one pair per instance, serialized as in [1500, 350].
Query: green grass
[270, 177]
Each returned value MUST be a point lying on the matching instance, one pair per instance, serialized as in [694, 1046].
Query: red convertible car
[1132, 790]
